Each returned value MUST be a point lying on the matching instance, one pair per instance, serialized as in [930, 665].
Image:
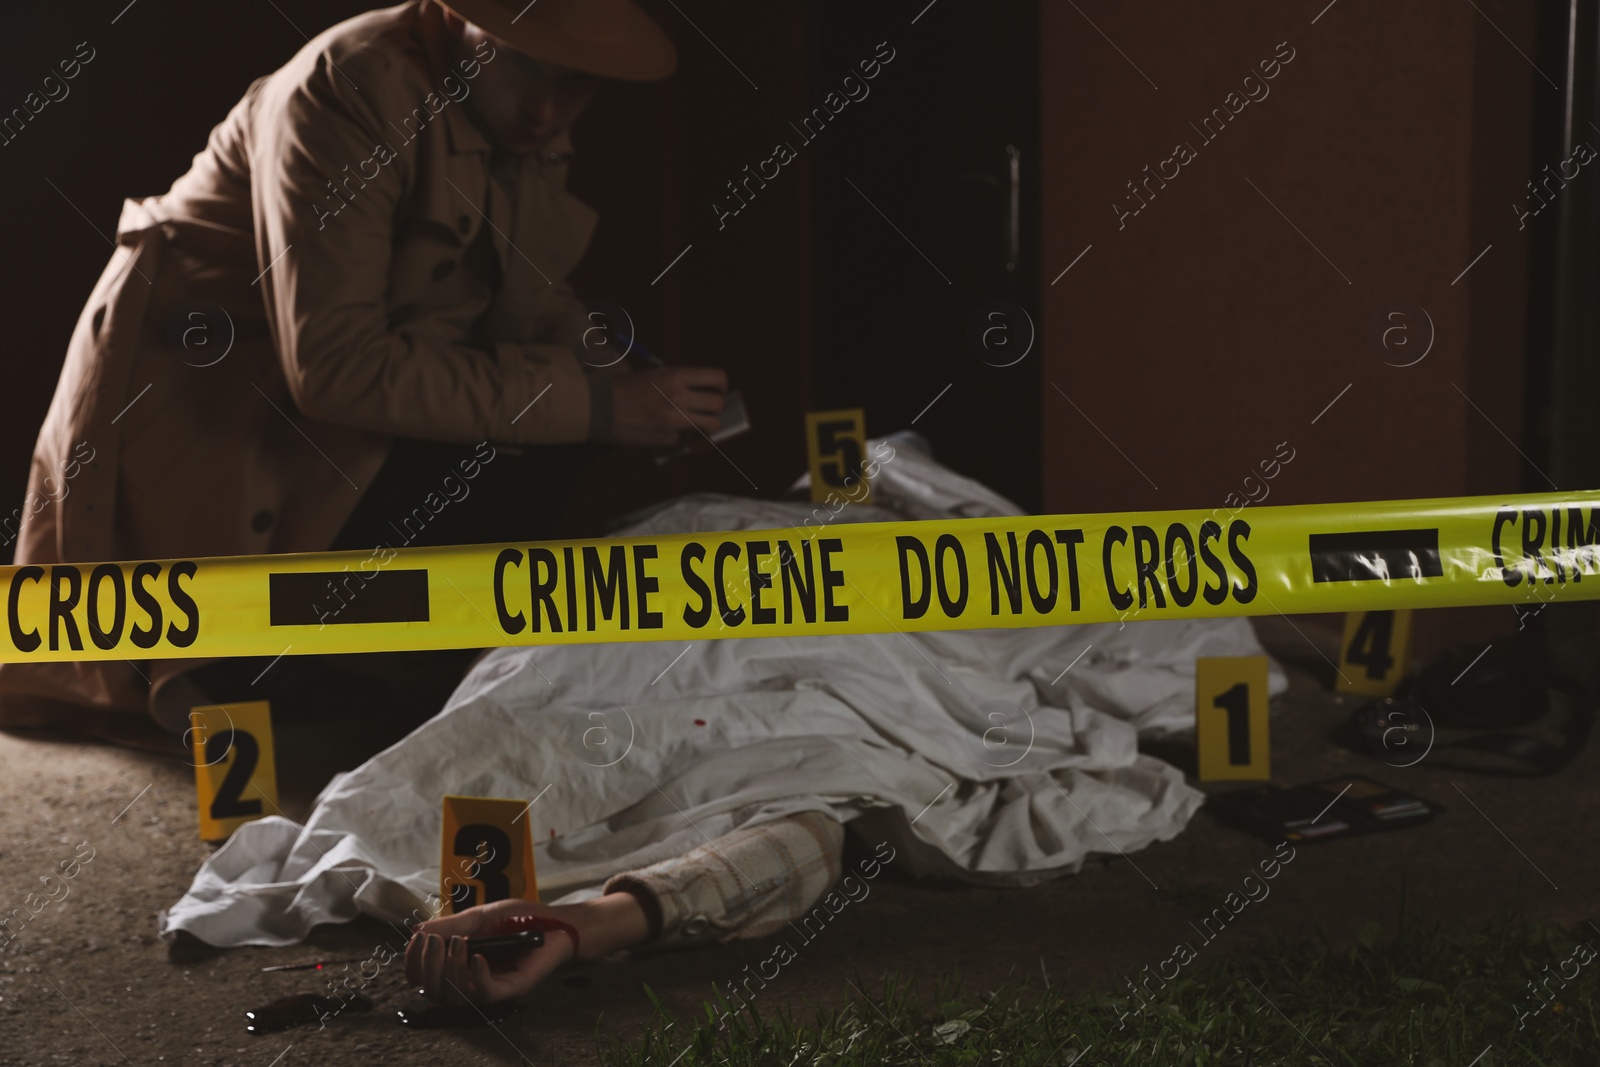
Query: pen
[317, 966]
[632, 344]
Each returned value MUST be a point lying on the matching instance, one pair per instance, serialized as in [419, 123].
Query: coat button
[695, 926]
[464, 223]
[445, 268]
[261, 521]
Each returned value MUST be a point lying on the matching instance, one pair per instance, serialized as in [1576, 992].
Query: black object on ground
[285, 1013]
[1320, 811]
[1504, 710]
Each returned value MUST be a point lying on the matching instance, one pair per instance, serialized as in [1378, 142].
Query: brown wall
[1207, 330]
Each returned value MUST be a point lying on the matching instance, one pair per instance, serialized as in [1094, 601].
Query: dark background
[808, 296]
[1173, 357]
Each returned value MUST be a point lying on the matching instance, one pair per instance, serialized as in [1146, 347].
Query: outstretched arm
[747, 883]
[437, 959]
[750, 882]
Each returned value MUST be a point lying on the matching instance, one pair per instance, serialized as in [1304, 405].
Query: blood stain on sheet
[699, 722]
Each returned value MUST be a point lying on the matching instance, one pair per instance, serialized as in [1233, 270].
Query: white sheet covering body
[987, 758]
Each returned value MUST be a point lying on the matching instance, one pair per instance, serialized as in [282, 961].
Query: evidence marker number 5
[836, 444]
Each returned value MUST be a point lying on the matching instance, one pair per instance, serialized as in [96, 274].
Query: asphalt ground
[87, 981]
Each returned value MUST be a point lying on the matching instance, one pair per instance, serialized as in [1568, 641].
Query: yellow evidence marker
[486, 853]
[235, 775]
[1373, 655]
[836, 444]
[1230, 718]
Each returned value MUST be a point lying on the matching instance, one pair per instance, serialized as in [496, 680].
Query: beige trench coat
[369, 269]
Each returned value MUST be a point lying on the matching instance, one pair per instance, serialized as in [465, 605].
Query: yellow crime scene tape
[1032, 570]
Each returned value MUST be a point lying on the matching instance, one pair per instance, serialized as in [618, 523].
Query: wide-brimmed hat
[612, 38]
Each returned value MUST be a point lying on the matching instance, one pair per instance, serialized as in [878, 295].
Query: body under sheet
[999, 756]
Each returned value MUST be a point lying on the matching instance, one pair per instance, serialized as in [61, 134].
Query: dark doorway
[926, 217]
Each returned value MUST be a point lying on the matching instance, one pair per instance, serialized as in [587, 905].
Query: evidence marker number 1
[1230, 718]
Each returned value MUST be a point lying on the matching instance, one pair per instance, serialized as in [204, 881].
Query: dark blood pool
[458, 1017]
[299, 1010]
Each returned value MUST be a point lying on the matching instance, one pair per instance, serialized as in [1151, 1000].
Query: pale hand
[651, 407]
[437, 959]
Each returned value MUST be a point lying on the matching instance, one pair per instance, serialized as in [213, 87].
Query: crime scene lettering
[562, 590]
[63, 606]
[553, 583]
[1037, 572]
[764, 562]
[850, 578]
[1020, 567]
[1166, 565]
[1527, 544]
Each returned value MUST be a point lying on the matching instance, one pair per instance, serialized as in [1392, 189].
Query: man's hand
[437, 959]
[651, 407]
[437, 956]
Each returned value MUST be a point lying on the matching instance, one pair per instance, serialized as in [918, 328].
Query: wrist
[606, 924]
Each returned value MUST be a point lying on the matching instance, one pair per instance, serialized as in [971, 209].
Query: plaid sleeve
[747, 883]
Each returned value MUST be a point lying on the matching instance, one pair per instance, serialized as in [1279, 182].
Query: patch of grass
[1430, 997]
